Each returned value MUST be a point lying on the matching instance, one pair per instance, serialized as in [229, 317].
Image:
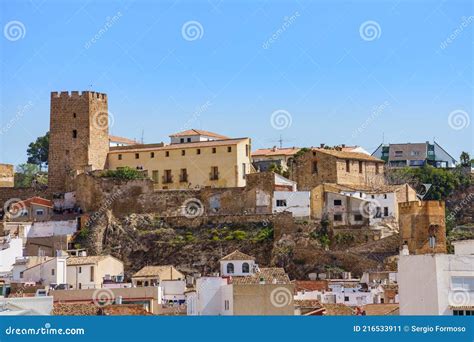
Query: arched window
[230, 267]
[245, 267]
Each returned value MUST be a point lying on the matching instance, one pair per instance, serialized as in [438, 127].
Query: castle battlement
[420, 205]
[79, 94]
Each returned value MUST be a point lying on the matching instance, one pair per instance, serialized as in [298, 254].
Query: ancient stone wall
[420, 220]
[6, 175]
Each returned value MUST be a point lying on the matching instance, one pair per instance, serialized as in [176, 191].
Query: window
[281, 203]
[21, 274]
[315, 167]
[154, 176]
[92, 273]
[188, 139]
[119, 157]
[398, 153]
[360, 167]
[385, 211]
[80, 286]
[152, 154]
[52, 271]
[245, 267]
[79, 270]
[229, 149]
[214, 175]
[373, 196]
[338, 217]
[357, 217]
[74, 115]
[348, 166]
[247, 150]
[377, 169]
[74, 133]
[167, 153]
[39, 212]
[137, 155]
[198, 151]
[462, 283]
[226, 305]
[213, 150]
[244, 170]
[183, 152]
[167, 177]
[230, 267]
[346, 298]
[385, 196]
[181, 140]
[337, 202]
[183, 175]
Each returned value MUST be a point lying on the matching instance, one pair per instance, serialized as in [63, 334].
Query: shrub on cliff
[125, 173]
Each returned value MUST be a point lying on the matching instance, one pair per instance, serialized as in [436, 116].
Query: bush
[264, 234]
[238, 235]
[125, 173]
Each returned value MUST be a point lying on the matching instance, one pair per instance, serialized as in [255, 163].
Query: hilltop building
[415, 155]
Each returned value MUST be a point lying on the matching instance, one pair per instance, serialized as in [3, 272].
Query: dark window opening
[74, 133]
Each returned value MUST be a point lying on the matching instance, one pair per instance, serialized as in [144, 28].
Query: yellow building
[194, 159]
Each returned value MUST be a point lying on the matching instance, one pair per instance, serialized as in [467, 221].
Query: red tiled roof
[198, 132]
[275, 151]
[348, 155]
[122, 140]
[36, 201]
[311, 285]
[238, 255]
[381, 309]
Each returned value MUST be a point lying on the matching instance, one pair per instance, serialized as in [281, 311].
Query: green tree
[38, 151]
[25, 174]
[465, 159]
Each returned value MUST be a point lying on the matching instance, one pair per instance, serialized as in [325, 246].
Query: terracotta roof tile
[381, 309]
[85, 260]
[311, 285]
[271, 275]
[275, 152]
[198, 132]
[337, 310]
[348, 155]
[122, 140]
[36, 201]
[164, 272]
[238, 255]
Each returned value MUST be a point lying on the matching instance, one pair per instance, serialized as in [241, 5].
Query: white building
[10, 250]
[89, 272]
[50, 271]
[212, 297]
[438, 284]
[295, 202]
[26, 306]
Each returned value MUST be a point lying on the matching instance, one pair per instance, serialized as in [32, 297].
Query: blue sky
[310, 62]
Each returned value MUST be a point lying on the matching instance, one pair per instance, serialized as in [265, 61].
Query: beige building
[32, 209]
[153, 275]
[88, 272]
[194, 159]
[7, 179]
[264, 158]
[322, 165]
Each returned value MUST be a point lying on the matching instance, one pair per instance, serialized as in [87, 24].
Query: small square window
[214, 150]
[338, 217]
[167, 153]
[189, 139]
[338, 202]
[229, 149]
[198, 151]
[183, 152]
[74, 115]
[358, 217]
[119, 157]
[181, 140]
[281, 203]
[74, 133]
[137, 155]
[152, 154]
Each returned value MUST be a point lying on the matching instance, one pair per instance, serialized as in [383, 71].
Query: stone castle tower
[423, 226]
[79, 136]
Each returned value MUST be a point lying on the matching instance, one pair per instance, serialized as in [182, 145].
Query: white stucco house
[10, 250]
[438, 284]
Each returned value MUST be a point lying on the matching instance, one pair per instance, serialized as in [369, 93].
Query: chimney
[343, 145]
[322, 145]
